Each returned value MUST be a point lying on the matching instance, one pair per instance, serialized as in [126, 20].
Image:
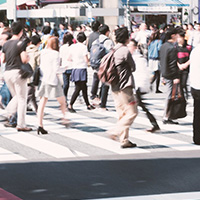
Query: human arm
[131, 62]
[24, 57]
[3, 58]
[184, 65]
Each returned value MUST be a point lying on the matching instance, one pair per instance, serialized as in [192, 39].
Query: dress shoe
[9, 125]
[41, 130]
[153, 129]
[169, 121]
[90, 107]
[24, 129]
[158, 91]
[128, 144]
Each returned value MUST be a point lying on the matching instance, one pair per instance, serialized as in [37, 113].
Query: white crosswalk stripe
[89, 130]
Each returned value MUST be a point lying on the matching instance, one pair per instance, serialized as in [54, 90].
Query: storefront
[158, 11]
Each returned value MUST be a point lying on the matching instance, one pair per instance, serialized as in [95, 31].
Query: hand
[176, 81]
[181, 66]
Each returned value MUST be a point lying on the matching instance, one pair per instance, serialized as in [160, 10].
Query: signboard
[46, 2]
[179, 3]
[2, 1]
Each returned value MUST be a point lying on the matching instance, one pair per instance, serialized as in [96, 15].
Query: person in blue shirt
[153, 54]
[61, 32]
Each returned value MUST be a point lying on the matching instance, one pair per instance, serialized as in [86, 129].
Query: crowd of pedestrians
[160, 55]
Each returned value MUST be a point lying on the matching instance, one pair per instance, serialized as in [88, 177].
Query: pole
[15, 11]
[128, 15]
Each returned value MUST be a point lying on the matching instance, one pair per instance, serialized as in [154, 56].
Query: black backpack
[97, 52]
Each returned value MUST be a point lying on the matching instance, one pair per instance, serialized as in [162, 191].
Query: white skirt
[153, 65]
[50, 91]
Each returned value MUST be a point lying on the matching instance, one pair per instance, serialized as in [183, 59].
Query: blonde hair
[53, 43]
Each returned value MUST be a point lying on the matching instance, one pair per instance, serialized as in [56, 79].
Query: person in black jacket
[169, 67]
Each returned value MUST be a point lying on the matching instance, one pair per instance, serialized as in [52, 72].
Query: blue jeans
[5, 94]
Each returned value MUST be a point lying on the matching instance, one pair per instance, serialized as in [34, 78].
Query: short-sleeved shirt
[12, 51]
[78, 53]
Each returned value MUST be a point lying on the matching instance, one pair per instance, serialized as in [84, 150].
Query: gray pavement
[81, 162]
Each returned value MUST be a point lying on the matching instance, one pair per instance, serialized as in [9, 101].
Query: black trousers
[157, 78]
[80, 86]
[183, 83]
[66, 82]
[151, 118]
[196, 115]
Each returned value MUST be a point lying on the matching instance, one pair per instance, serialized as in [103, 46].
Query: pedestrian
[195, 37]
[61, 32]
[142, 81]
[154, 46]
[195, 90]
[183, 61]
[64, 54]
[14, 55]
[79, 58]
[142, 38]
[94, 35]
[169, 68]
[100, 48]
[34, 55]
[125, 101]
[50, 86]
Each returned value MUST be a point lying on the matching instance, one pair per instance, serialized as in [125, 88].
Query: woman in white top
[79, 58]
[64, 54]
[50, 86]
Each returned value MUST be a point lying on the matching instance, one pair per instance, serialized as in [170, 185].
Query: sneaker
[128, 144]
[9, 125]
[169, 121]
[153, 129]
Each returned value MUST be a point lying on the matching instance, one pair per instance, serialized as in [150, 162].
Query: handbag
[176, 105]
[36, 76]
[26, 71]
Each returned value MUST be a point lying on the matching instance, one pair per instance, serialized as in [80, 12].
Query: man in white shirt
[195, 90]
[195, 39]
[142, 37]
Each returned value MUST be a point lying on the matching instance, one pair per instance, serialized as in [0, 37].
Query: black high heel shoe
[41, 130]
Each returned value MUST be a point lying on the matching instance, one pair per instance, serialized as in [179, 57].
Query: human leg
[196, 116]
[84, 91]
[74, 96]
[66, 82]
[126, 108]
[95, 85]
[149, 115]
[40, 112]
[104, 95]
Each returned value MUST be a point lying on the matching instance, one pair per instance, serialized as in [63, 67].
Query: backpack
[97, 52]
[107, 70]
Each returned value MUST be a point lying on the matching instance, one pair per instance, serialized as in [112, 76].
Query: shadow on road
[99, 179]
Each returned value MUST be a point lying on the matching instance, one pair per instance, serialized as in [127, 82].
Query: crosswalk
[87, 135]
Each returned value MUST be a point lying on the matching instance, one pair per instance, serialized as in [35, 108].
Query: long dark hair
[154, 36]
